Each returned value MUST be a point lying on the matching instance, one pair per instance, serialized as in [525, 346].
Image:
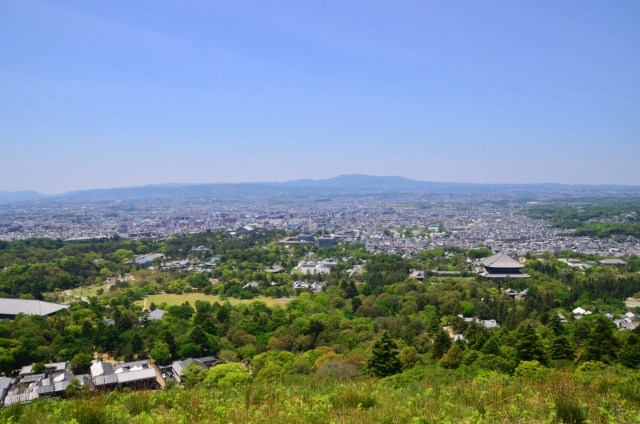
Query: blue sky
[106, 94]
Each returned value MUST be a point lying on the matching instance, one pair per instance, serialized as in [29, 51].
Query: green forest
[600, 217]
[371, 347]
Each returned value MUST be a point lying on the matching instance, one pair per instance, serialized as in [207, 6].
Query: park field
[179, 299]
[90, 291]
[632, 303]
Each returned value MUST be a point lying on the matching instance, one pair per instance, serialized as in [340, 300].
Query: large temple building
[501, 266]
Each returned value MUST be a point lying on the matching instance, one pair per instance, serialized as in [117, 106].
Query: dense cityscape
[400, 223]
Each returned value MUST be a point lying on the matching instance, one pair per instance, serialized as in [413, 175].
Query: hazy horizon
[175, 183]
[118, 94]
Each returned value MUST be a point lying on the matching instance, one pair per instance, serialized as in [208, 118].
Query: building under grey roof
[251, 285]
[612, 262]
[5, 385]
[156, 314]
[31, 378]
[9, 308]
[147, 374]
[501, 266]
[417, 275]
[101, 368]
[54, 366]
[274, 269]
[144, 363]
[179, 366]
[20, 397]
[327, 240]
[105, 380]
[501, 260]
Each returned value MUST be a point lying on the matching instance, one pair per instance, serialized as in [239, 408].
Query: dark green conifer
[210, 328]
[441, 344]
[223, 314]
[352, 290]
[491, 347]
[529, 345]
[630, 352]
[171, 342]
[561, 348]
[137, 344]
[384, 359]
[480, 341]
[356, 303]
[433, 324]
[601, 345]
[199, 337]
[555, 324]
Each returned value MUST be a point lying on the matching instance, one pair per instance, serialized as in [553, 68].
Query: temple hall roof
[501, 260]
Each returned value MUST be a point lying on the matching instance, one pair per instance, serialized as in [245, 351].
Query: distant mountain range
[20, 195]
[343, 184]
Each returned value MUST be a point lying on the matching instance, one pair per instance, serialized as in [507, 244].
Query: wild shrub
[567, 403]
[137, 403]
[354, 396]
[337, 369]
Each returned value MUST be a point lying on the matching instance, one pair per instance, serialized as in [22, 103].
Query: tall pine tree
[630, 352]
[602, 344]
[561, 348]
[555, 324]
[441, 344]
[529, 345]
[384, 359]
[491, 347]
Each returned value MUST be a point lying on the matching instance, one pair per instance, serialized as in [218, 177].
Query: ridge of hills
[342, 184]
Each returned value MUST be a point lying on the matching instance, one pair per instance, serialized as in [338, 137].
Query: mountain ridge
[300, 187]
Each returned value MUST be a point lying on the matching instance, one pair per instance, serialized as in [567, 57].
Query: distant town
[397, 223]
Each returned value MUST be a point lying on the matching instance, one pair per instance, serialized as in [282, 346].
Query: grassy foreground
[440, 397]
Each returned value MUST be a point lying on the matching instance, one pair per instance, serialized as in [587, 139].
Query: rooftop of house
[54, 366]
[156, 314]
[29, 307]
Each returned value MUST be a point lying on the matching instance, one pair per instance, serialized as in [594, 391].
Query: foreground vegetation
[598, 217]
[373, 346]
[422, 395]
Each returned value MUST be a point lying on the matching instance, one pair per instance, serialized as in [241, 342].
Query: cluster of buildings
[389, 224]
[316, 266]
[55, 378]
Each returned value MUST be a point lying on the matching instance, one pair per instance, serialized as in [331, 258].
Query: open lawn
[445, 277]
[179, 299]
[632, 303]
[90, 291]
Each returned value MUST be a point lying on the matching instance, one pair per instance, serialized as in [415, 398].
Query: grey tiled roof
[28, 306]
[31, 378]
[102, 380]
[141, 363]
[145, 374]
[101, 368]
[501, 260]
[54, 366]
[6, 382]
[156, 314]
